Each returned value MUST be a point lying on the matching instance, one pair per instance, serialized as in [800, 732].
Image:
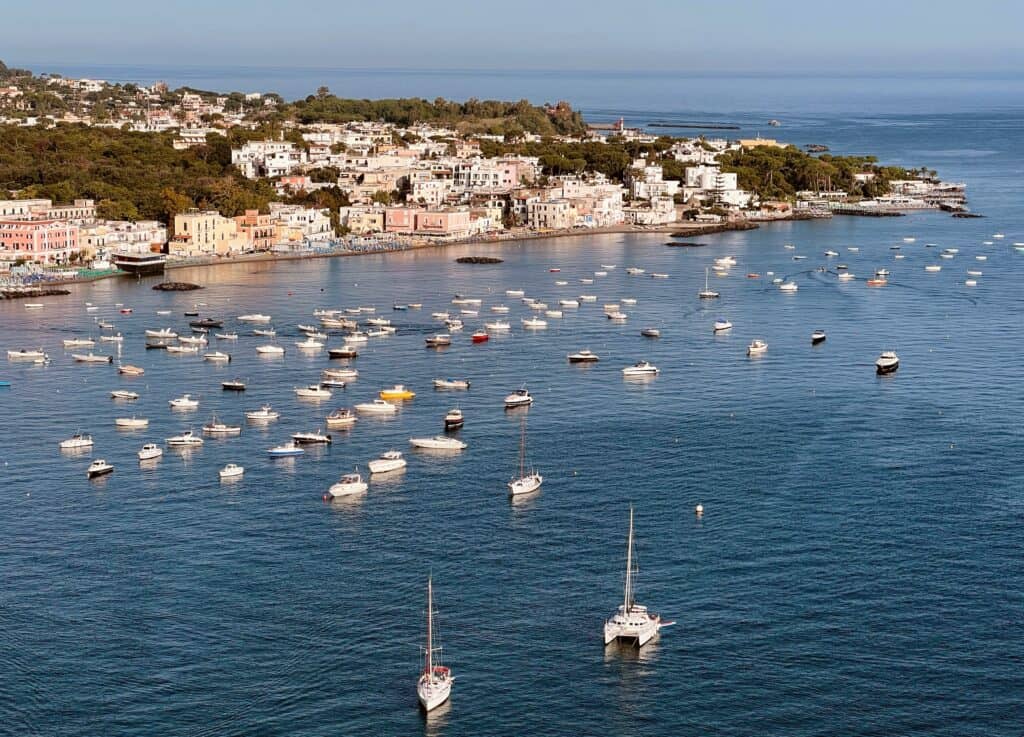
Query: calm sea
[858, 569]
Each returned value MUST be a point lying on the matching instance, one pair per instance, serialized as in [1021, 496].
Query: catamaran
[435, 683]
[632, 621]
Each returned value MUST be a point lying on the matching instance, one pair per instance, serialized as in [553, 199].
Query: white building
[268, 158]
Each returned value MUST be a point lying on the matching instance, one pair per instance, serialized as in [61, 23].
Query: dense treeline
[778, 173]
[471, 116]
[131, 176]
[612, 159]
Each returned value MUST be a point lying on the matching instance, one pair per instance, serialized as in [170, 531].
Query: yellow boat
[398, 391]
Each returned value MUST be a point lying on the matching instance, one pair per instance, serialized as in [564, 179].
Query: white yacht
[524, 483]
[887, 363]
[389, 461]
[231, 471]
[498, 326]
[348, 485]
[616, 315]
[76, 441]
[187, 439]
[435, 683]
[149, 451]
[263, 414]
[757, 347]
[217, 357]
[632, 622]
[707, 292]
[518, 398]
[722, 324]
[438, 442]
[534, 323]
[99, 467]
[185, 401]
[270, 350]
[451, 383]
[568, 303]
[346, 374]
[124, 394]
[846, 276]
[312, 438]
[584, 356]
[309, 345]
[788, 287]
[377, 407]
[439, 340]
[640, 368]
[313, 391]
[130, 423]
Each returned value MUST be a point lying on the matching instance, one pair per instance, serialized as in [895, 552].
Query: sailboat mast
[430, 626]
[522, 450]
[629, 564]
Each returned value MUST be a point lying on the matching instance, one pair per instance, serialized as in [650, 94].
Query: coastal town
[392, 186]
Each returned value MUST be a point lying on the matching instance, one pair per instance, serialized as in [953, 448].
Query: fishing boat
[226, 336]
[524, 483]
[217, 357]
[518, 398]
[632, 622]
[78, 342]
[887, 363]
[76, 442]
[185, 401]
[187, 439]
[641, 368]
[313, 391]
[454, 419]
[707, 292]
[233, 385]
[389, 461]
[149, 451]
[434, 686]
[398, 391]
[438, 442]
[311, 438]
[340, 418]
[377, 407]
[91, 358]
[99, 467]
[124, 394]
[162, 333]
[451, 383]
[231, 471]
[216, 427]
[131, 423]
[757, 347]
[481, 336]
[584, 356]
[650, 333]
[818, 336]
[348, 485]
[263, 414]
[285, 450]
[129, 370]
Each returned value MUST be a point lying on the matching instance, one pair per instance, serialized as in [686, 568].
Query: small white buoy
[699, 510]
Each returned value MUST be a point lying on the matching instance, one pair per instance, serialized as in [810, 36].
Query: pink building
[43, 241]
[451, 223]
[400, 219]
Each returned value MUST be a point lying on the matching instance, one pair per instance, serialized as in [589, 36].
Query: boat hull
[432, 695]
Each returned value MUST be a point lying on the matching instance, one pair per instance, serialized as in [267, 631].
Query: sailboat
[435, 684]
[632, 621]
[525, 482]
[707, 292]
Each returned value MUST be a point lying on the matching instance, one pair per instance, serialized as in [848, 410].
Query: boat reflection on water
[626, 651]
[435, 721]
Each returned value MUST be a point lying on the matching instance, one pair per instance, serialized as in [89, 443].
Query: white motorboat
[312, 438]
[788, 287]
[634, 271]
[971, 283]
[216, 427]
[584, 356]
[285, 450]
[184, 402]
[348, 485]
[129, 370]
[182, 349]
[632, 622]
[524, 483]
[165, 333]
[629, 301]
[313, 391]
[707, 292]
[933, 267]
[757, 347]
[539, 306]
[187, 439]
[973, 272]
[601, 273]
[616, 315]
[981, 258]
[357, 336]
[377, 407]
[440, 315]
[568, 303]
[438, 442]
[641, 368]
[340, 418]
[887, 363]
[149, 451]
[390, 461]
[553, 313]
[588, 298]
[454, 419]
[608, 266]
[124, 394]
[226, 336]
[438, 340]
[659, 275]
[830, 253]
[818, 336]
[881, 272]
[335, 323]
[561, 283]
[217, 357]
[378, 321]
[116, 338]
[381, 333]
[34, 305]
[722, 324]
[231, 471]
[340, 374]
[846, 276]
[518, 398]
[270, 350]
[451, 383]
[515, 293]
[26, 355]
[192, 339]
[586, 281]
[498, 326]
[76, 442]
[650, 333]
[500, 309]
[263, 414]
[91, 358]
[534, 323]
[309, 345]
[99, 467]
[233, 385]
[454, 324]
[79, 342]
[434, 686]
[254, 317]
[345, 351]
[163, 313]
[265, 332]
[131, 423]
[306, 328]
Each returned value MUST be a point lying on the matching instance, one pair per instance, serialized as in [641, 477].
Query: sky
[694, 36]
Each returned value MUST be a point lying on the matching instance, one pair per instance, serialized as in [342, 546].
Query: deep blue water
[858, 569]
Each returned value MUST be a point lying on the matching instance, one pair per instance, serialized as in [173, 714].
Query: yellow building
[205, 233]
[755, 142]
